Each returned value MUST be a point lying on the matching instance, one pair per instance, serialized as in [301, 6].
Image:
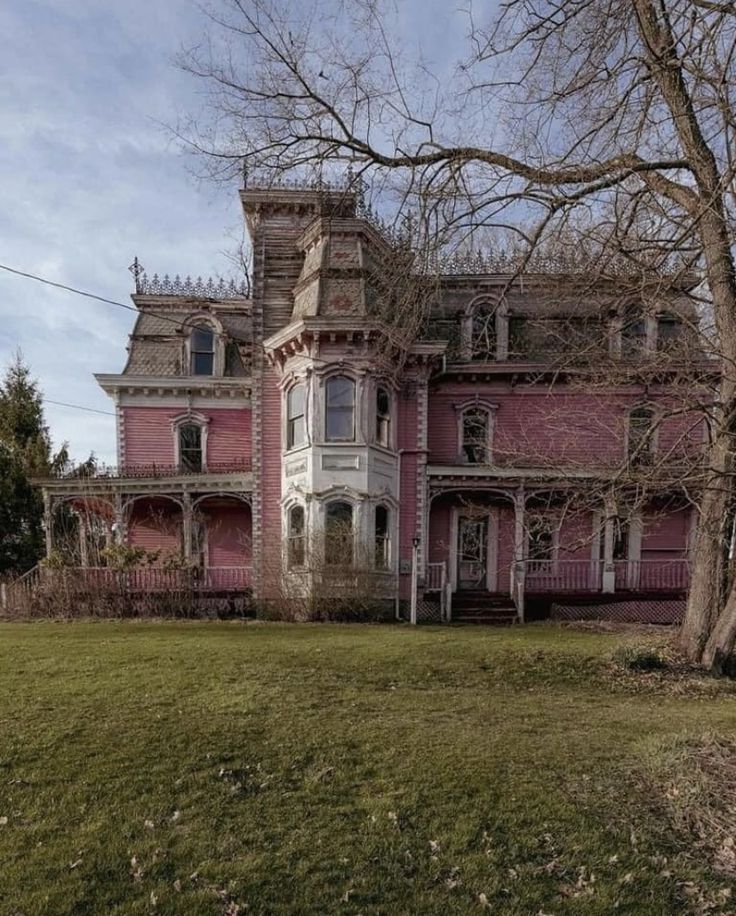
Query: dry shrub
[698, 788]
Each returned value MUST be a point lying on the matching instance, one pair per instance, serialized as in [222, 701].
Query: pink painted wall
[270, 456]
[665, 534]
[533, 424]
[407, 440]
[229, 535]
[155, 524]
[149, 438]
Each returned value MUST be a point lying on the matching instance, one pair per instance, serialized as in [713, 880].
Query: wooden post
[48, 523]
[608, 581]
[83, 545]
[187, 526]
[414, 581]
[519, 572]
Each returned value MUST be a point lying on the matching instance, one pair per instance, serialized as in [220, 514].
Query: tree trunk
[718, 653]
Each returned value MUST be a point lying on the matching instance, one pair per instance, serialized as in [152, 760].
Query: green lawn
[219, 768]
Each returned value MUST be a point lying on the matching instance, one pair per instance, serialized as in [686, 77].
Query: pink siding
[271, 479]
[155, 524]
[665, 534]
[407, 440]
[149, 438]
[229, 535]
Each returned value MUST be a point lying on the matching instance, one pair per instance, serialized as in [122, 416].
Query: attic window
[202, 351]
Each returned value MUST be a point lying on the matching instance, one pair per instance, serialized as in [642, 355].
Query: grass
[225, 769]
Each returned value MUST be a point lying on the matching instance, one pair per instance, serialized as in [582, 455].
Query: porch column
[519, 572]
[608, 581]
[48, 523]
[120, 527]
[186, 520]
[83, 545]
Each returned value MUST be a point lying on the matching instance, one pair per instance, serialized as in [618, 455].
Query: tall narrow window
[339, 534]
[202, 351]
[640, 443]
[475, 429]
[383, 417]
[483, 332]
[382, 538]
[190, 448]
[295, 426]
[633, 334]
[340, 409]
[296, 537]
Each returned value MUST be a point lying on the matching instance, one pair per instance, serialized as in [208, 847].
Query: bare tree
[610, 121]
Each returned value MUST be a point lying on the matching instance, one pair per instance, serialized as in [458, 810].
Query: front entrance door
[472, 553]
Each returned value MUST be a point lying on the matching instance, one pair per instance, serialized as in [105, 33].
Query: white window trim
[285, 447]
[392, 415]
[358, 407]
[190, 419]
[501, 322]
[392, 520]
[200, 320]
[653, 440]
[460, 411]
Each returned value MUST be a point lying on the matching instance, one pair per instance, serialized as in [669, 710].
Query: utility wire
[122, 305]
[108, 413]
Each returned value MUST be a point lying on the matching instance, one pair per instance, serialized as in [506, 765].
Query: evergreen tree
[25, 452]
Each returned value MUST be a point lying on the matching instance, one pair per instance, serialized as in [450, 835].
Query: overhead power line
[130, 308]
[108, 413]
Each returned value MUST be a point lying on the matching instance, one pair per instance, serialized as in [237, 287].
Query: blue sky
[90, 178]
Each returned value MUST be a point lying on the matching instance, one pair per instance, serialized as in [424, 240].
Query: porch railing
[137, 471]
[652, 575]
[563, 576]
[436, 580]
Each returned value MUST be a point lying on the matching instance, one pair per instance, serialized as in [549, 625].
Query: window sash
[475, 431]
[190, 448]
[340, 410]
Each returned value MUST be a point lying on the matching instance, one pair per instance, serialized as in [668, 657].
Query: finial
[136, 268]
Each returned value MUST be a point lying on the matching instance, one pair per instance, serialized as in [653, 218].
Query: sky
[90, 177]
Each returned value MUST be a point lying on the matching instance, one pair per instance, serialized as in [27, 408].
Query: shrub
[641, 658]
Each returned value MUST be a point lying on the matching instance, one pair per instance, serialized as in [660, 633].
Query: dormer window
[202, 350]
[340, 409]
[669, 332]
[633, 334]
[484, 337]
[190, 448]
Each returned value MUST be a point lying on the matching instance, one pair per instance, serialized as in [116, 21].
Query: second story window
[640, 443]
[633, 334]
[340, 409]
[296, 433]
[669, 332]
[202, 351]
[475, 430]
[190, 448]
[383, 417]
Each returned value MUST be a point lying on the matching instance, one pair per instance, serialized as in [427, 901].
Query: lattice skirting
[665, 612]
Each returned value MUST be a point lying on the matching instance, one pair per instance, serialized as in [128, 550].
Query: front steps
[481, 607]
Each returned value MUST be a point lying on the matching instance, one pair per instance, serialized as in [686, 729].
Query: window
[382, 538]
[640, 442]
[295, 425]
[340, 409]
[383, 417]
[483, 332]
[296, 537]
[475, 428]
[190, 448]
[541, 540]
[633, 334]
[669, 332]
[202, 351]
[519, 342]
[339, 534]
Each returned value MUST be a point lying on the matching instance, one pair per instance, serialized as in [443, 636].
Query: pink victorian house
[483, 472]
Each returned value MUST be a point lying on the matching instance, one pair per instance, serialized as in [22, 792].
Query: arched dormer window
[339, 409]
[339, 533]
[202, 350]
[640, 435]
[296, 430]
[485, 333]
[633, 333]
